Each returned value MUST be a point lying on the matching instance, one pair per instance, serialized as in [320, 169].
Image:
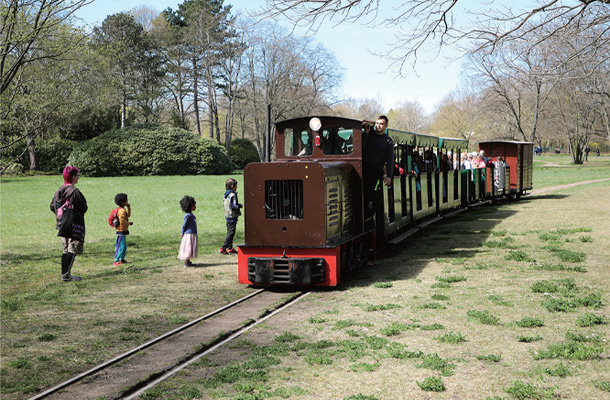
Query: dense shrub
[14, 160]
[243, 152]
[92, 121]
[150, 150]
[52, 154]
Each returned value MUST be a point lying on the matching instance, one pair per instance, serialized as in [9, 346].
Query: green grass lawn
[156, 211]
[557, 169]
[52, 330]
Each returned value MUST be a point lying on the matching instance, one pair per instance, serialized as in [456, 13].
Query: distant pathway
[555, 165]
[570, 185]
[552, 164]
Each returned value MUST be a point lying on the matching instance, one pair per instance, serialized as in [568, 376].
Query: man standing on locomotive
[377, 169]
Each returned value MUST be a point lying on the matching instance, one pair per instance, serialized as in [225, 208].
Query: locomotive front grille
[282, 270]
[284, 199]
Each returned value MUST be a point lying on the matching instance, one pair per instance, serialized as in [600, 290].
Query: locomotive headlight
[315, 124]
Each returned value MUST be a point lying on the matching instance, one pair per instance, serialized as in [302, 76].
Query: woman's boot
[69, 260]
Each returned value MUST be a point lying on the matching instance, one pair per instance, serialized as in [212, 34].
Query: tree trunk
[242, 124]
[196, 96]
[180, 102]
[123, 99]
[31, 145]
[211, 113]
[123, 110]
[606, 120]
[217, 123]
[577, 147]
[181, 112]
[229, 126]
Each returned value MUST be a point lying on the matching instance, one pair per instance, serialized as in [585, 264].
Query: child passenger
[188, 246]
[122, 230]
[232, 212]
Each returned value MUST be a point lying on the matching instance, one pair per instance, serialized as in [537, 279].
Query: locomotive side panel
[342, 211]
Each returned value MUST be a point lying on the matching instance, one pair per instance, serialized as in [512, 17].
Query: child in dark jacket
[189, 247]
[122, 230]
[232, 212]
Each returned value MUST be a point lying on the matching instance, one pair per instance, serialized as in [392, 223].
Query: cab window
[337, 141]
[297, 143]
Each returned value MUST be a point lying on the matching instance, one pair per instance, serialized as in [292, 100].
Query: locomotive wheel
[344, 263]
[352, 261]
[361, 256]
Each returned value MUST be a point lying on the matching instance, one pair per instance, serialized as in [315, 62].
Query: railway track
[137, 370]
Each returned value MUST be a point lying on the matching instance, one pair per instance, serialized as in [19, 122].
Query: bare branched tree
[545, 91]
[145, 16]
[230, 71]
[292, 74]
[366, 108]
[578, 105]
[409, 116]
[422, 24]
[459, 114]
[519, 83]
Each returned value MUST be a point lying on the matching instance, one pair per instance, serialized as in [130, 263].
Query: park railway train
[304, 216]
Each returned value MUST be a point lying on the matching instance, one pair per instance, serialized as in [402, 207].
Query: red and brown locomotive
[304, 215]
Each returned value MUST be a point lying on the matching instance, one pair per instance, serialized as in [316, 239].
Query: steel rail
[240, 332]
[142, 347]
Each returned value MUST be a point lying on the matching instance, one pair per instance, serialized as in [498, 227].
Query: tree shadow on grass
[125, 269]
[536, 197]
[10, 257]
[453, 238]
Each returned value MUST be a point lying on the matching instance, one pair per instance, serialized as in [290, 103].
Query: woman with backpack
[70, 206]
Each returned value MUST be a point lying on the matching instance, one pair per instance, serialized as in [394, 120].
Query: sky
[365, 75]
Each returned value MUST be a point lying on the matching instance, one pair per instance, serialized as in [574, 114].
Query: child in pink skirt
[188, 247]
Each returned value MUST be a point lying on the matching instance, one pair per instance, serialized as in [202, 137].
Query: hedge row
[135, 150]
[243, 152]
[149, 150]
[51, 154]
